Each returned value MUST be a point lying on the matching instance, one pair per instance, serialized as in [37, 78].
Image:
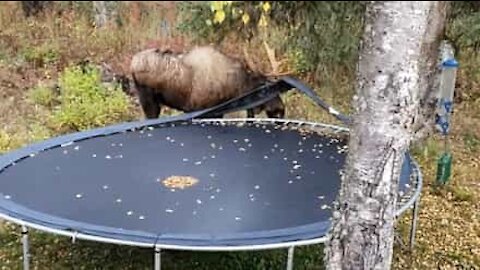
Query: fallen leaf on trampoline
[180, 182]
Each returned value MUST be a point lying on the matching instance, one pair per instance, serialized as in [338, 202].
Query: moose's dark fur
[33, 8]
[201, 78]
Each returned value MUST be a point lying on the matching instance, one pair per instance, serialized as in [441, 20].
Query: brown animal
[33, 8]
[201, 78]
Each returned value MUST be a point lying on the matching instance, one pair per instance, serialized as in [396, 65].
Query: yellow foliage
[263, 21]
[266, 6]
[216, 5]
[245, 18]
[219, 16]
[220, 9]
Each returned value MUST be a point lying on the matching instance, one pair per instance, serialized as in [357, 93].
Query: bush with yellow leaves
[215, 19]
[320, 33]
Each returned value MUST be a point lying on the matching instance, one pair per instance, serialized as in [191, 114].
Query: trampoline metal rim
[417, 192]
[83, 236]
[73, 235]
[323, 239]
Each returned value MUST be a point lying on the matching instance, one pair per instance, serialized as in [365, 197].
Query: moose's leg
[275, 108]
[250, 113]
[148, 101]
[213, 116]
[276, 113]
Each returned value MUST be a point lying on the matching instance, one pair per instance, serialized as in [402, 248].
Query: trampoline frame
[412, 202]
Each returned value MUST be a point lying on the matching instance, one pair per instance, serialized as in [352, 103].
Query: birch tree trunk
[397, 58]
[105, 12]
[100, 10]
[33, 8]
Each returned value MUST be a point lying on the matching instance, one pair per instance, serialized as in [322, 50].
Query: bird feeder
[445, 106]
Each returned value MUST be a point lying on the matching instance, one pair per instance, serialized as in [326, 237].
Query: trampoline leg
[26, 255]
[290, 258]
[158, 261]
[413, 228]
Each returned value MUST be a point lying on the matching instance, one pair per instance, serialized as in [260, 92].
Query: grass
[8, 141]
[42, 95]
[36, 54]
[472, 142]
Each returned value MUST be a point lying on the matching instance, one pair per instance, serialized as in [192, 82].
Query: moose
[200, 78]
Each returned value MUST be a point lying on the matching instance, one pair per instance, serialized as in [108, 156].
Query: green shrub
[8, 142]
[85, 103]
[299, 61]
[3, 54]
[4, 141]
[471, 141]
[193, 17]
[42, 95]
[326, 33]
[428, 150]
[38, 132]
[463, 27]
[462, 194]
[322, 33]
[41, 55]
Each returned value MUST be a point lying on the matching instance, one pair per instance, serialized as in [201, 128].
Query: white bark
[105, 11]
[390, 80]
[100, 13]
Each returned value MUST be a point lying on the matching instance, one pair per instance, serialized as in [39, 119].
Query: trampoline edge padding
[314, 232]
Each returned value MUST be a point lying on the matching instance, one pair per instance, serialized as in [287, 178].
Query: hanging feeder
[445, 107]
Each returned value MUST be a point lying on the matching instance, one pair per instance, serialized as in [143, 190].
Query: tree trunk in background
[433, 51]
[105, 12]
[396, 55]
[33, 8]
[101, 16]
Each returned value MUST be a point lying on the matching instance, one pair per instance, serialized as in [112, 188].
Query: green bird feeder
[444, 168]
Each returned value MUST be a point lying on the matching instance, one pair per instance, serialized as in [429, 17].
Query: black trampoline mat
[252, 179]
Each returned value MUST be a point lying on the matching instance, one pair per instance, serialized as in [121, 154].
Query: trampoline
[252, 183]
